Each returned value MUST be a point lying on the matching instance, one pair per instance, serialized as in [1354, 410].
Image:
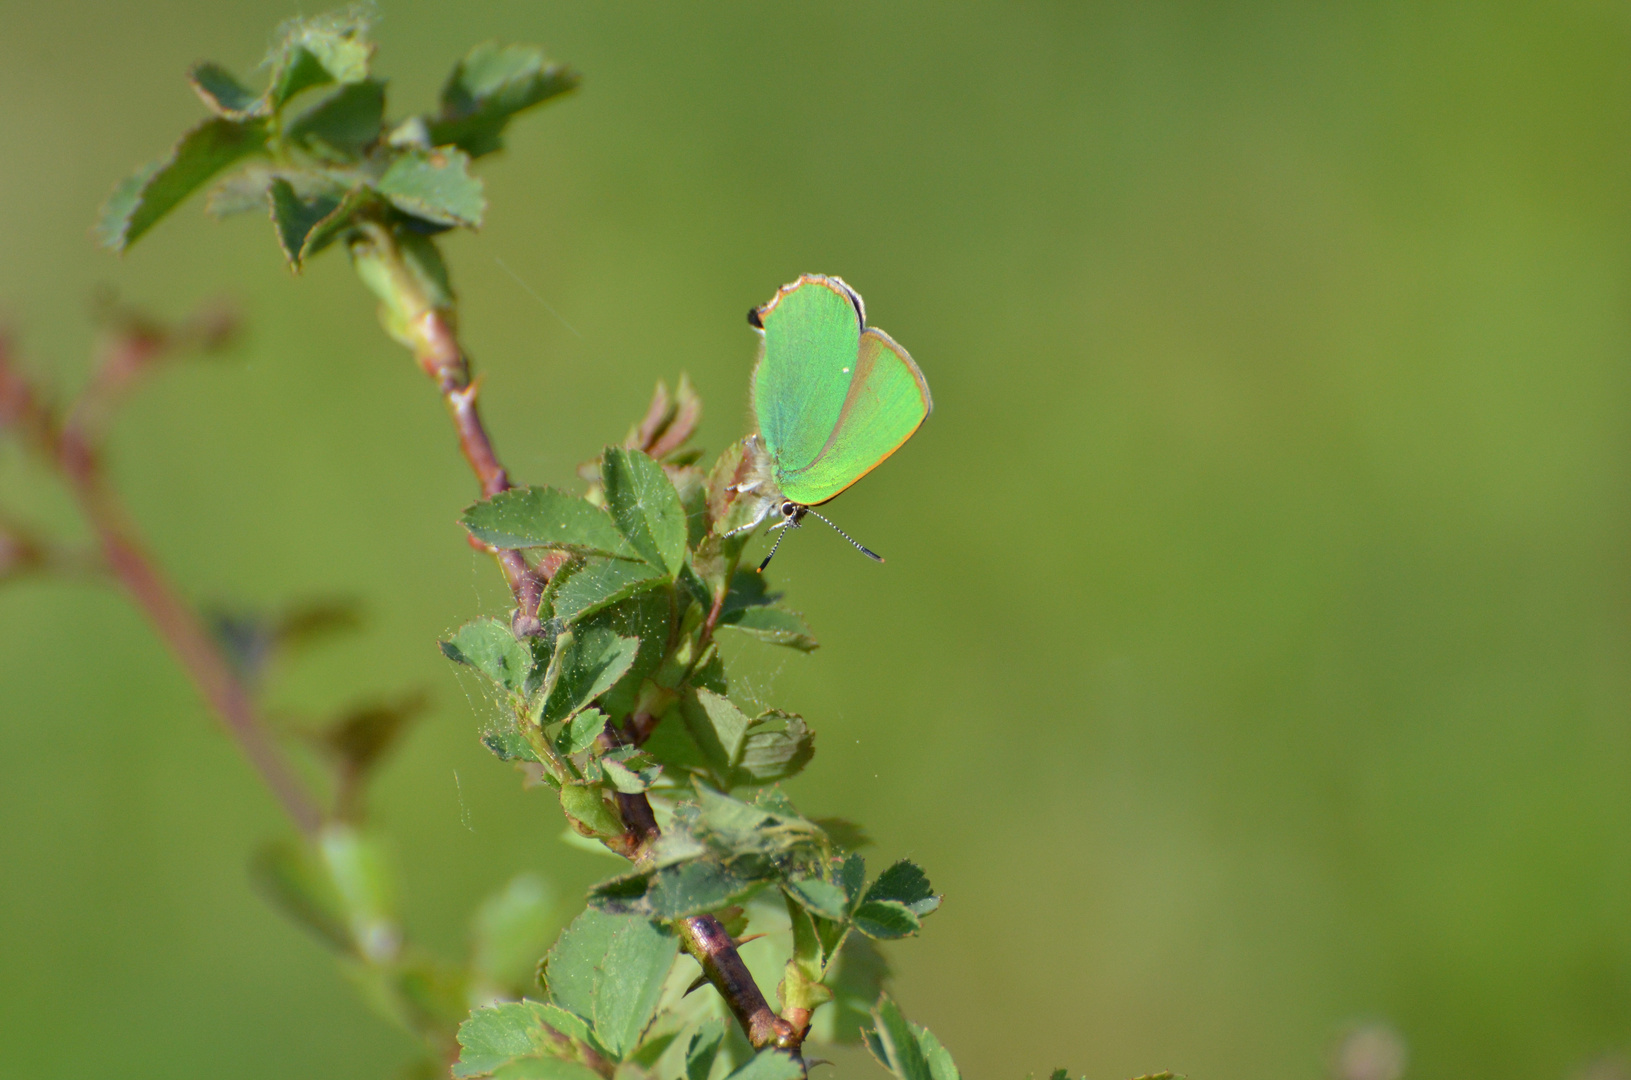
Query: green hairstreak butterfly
[833, 396]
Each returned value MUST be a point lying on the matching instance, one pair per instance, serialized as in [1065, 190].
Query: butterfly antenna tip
[773, 548]
[862, 548]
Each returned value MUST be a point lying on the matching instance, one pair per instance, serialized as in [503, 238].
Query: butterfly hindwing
[886, 401]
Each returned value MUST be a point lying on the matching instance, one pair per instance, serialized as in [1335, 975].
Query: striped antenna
[862, 548]
[773, 548]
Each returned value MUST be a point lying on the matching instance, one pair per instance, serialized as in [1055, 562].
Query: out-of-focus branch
[72, 450]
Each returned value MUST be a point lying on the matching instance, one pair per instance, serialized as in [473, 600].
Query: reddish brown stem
[444, 361]
[179, 627]
[708, 942]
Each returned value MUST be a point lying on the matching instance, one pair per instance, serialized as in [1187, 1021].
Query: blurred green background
[1254, 651]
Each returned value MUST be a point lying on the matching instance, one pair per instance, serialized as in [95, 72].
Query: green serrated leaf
[336, 224]
[906, 883]
[241, 191]
[589, 662]
[247, 188]
[295, 219]
[510, 745]
[692, 485]
[671, 744]
[514, 1040]
[821, 897]
[495, 1036]
[718, 727]
[315, 51]
[645, 506]
[533, 517]
[510, 931]
[772, 625]
[654, 1044]
[567, 1023]
[301, 70]
[593, 583]
[584, 806]
[345, 123]
[630, 770]
[710, 675]
[224, 94]
[775, 800]
[703, 1048]
[851, 875]
[741, 829]
[635, 965]
[609, 970]
[141, 201]
[941, 1066]
[490, 647]
[895, 1044]
[581, 732]
[770, 1065]
[678, 891]
[645, 616]
[488, 87]
[885, 920]
[774, 752]
[435, 186]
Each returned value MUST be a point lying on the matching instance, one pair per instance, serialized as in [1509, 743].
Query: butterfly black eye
[753, 319]
[787, 509]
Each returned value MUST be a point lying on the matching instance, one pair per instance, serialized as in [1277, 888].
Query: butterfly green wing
[833, 396]
[812, 329]
[887, 399]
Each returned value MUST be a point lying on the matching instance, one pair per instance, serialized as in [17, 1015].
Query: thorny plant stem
[441, 358]
[706, 939]
[71, 450]
[436, 348]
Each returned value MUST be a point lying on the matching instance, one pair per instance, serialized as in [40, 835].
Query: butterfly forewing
[812, 331]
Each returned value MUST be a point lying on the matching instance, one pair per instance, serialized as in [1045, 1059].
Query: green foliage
[489, 86]
[908, 1050]
[613, 692]
[488, 646]
[535, 517]
[434, 186]
[342, 126]
[770, 1065]
[330, 170]
[521, 1039]
[645, 506]
[141, 201]
[608, 970]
